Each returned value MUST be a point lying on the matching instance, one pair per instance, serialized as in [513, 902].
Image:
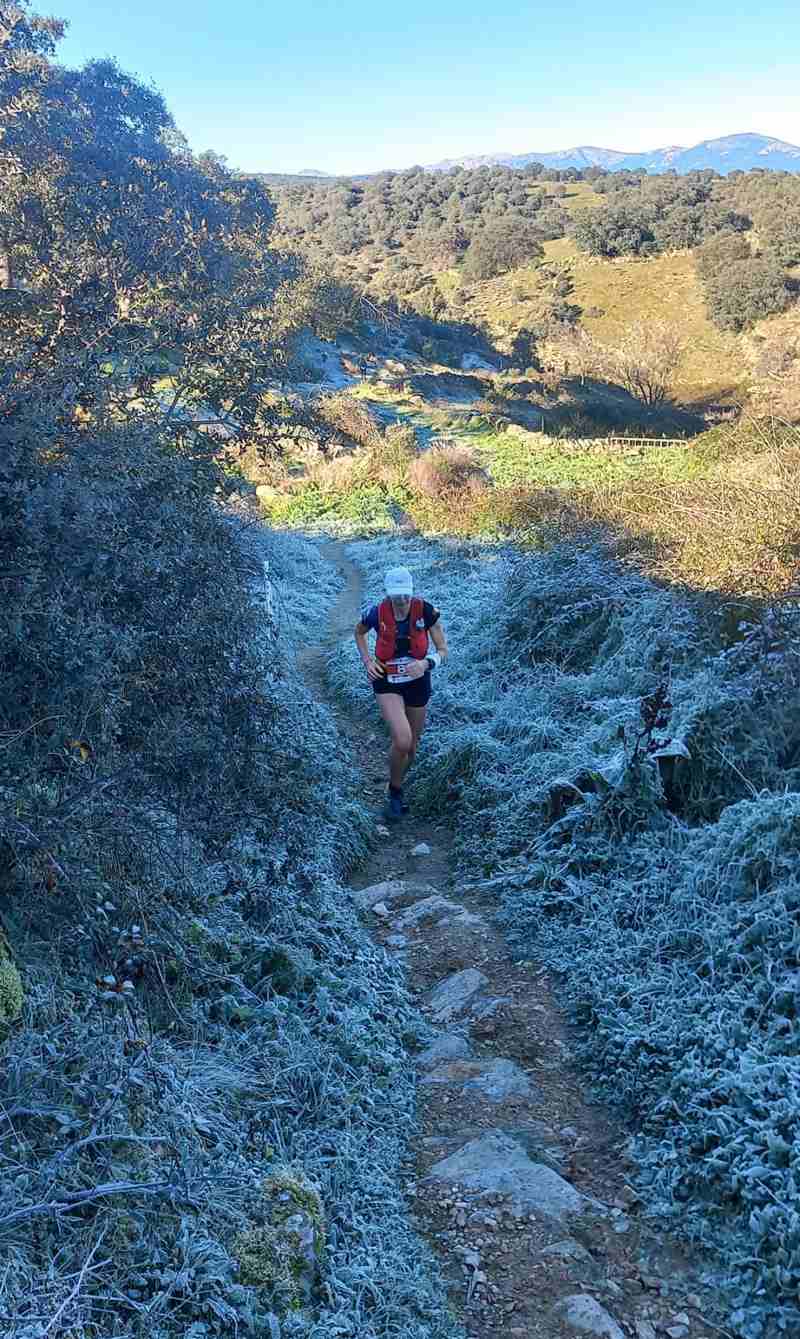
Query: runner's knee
[402, 738]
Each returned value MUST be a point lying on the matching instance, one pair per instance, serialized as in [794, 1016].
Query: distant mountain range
[728, 154]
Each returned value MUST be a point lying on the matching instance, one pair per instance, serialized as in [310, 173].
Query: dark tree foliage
[618, 229]
[392, 228]
[745, 291]
[644, 215]
[502, 245]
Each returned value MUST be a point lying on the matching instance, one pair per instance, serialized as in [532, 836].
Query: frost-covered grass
[624, 768]
[261, 1026]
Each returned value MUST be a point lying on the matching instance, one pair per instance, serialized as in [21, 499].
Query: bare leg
[416, 719]
[392, 709]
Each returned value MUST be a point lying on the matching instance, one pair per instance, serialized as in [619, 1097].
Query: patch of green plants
[360, 508]
[513, 458]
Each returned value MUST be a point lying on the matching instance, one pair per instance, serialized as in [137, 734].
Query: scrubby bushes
[624, 763]
[187, 1003]
[200, 1006]
[445, 469]
[746, 291]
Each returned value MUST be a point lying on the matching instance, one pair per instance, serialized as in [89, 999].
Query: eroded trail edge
[522, 1184]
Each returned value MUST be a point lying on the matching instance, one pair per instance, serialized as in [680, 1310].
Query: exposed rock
[464, 920]
[677, 1331]
[422, 848]
[487, 1008]
[569, 1249]
[394, 892]
[285, 1253]
[426, 910]
[499, 1165]
[457, 1071]
[499, 1080]
[644, 1330]
[396, 941]
[381, 909]
[453, 994]
[450, 1046]
[586, 1316]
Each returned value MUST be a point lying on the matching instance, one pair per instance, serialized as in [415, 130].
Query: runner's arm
[374, 670]
[439, 639]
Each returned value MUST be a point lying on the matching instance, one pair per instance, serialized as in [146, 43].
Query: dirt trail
[523, 1254]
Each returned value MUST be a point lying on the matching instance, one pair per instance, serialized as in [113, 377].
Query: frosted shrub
[629, 789]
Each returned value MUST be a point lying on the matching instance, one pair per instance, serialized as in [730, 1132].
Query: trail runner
[400, 671]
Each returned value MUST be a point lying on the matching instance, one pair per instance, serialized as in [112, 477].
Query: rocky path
[522, 1186]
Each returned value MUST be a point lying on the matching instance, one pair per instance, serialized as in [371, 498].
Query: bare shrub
[445, 469]
[647, 359]
[389, 458]
[349, 416]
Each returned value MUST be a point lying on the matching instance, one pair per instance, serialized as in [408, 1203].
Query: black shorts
[416, 693]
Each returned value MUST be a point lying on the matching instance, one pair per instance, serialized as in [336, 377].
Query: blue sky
[355, 86]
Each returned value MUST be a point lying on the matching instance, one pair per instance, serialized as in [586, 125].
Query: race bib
[394, 671]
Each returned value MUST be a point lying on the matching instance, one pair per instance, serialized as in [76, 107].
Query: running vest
[386, 645]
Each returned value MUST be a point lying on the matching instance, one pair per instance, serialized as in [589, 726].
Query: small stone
[681, 1319]
[499, 1165]
[381, 909]
[568, 1250]
[586, 1316]
[382, 831]
[392, 892]
[396, 941]
[450, 1046]
[621, 1224]
[487, 1008]
[644, 1330]
[677, 1331]
[453, 994]
[500, 1080]
[425, 910]
[421, 848]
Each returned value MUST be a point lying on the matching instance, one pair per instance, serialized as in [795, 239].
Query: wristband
[434, 659]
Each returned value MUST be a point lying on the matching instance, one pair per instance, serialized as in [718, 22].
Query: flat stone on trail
[498, 1165]
[495, 1079]
[450, 1046]
[462, 919]
[456, 1071]
[455, 992]
[426, 910]
[393, 891]
[486, 1008]
[422, 848]
[569, 1249]
[499, 1080]
[586, 1316]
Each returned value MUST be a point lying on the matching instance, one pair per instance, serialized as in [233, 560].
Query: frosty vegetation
[201, 1008]
[625, 763]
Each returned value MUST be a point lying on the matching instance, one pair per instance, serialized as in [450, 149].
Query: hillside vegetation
[204, 1099]
[505, 250]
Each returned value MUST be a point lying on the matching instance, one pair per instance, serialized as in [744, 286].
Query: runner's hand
[415, 669]
[374, 670]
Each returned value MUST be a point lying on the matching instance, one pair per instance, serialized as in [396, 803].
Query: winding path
[521, 1184]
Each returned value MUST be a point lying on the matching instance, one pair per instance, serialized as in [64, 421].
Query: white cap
[399, 581]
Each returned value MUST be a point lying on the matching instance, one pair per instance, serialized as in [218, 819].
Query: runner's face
[401, 605]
